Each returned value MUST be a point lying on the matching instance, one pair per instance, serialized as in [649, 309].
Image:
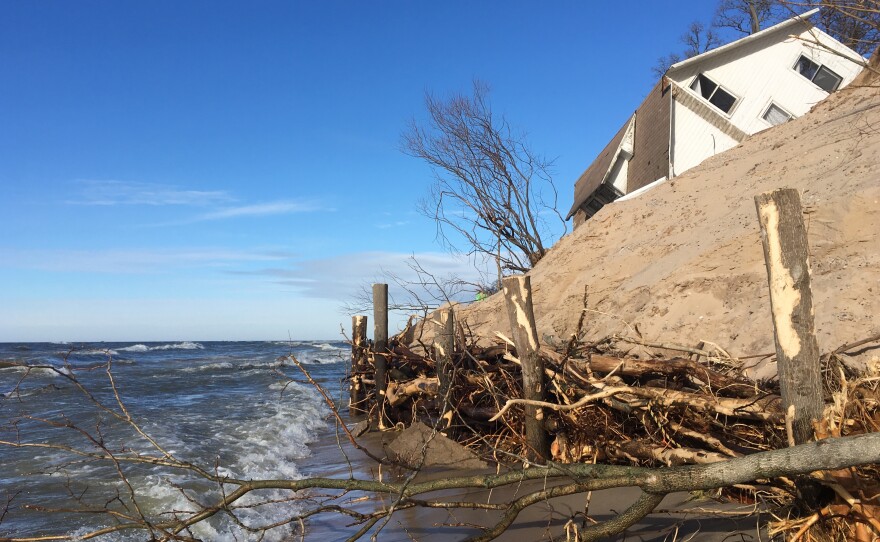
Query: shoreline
[678, 516]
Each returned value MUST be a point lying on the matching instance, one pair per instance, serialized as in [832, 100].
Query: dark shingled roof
[590, 179]
[650, 160]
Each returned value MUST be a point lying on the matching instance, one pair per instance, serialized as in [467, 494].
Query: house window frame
[766, 109]
[819, 66]
[736, 98]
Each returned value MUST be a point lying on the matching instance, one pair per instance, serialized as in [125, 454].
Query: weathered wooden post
[518, 297]
[444, 349]
[357, 392]
[380, 347]
[786, 254]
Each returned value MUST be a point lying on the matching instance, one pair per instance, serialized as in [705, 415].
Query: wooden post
[380, 347]
[357, 393]
[786, 254]
[444, 348]
[518, 297]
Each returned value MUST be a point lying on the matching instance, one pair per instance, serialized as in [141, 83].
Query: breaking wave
[186, 345]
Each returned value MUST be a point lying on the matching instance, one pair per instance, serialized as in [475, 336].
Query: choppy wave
[96, 352]
[263, 448]
[243, 366]
[37, 371]
[214, 400]
[219, 366]
[185, 345]
[287, 343]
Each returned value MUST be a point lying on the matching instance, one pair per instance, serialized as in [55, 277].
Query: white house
[711, 102]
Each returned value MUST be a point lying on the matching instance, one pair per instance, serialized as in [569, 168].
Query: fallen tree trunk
[635, 450]
[398, 392]
[717, 382]
[760, 409]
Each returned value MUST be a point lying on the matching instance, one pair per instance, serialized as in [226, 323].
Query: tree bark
[444, 349]
[786, 254]
[518, 297]
[727, 385]
[380, 347]
[357, 391]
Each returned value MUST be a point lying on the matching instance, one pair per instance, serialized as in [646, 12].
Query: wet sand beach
[681, 516]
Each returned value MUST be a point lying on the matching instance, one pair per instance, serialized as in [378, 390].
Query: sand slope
[684, 261]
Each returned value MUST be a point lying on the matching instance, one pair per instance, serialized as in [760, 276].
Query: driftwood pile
[601, 406]
[607, 408]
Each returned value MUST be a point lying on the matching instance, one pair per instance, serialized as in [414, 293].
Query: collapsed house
[711, 102]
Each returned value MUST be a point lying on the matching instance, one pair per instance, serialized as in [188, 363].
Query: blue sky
[231, 170]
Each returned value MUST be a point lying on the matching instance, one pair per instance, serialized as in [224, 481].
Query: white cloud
[397, 224]
[262, 209]
[112, 193]
[108, 193]
[343, 277]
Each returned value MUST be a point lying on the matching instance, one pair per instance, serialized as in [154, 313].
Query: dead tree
[489, 187]
[748, 16]
[855, 23]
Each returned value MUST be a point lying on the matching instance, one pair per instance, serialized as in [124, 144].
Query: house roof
[650, 158]
[590, 179]
[796, 20]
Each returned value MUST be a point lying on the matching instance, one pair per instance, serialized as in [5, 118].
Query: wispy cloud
[108, 193]
[282, 207]
[221, 204]
[341, 277]
[396, 224]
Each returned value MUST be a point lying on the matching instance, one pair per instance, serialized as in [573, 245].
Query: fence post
[518, 298]
[786, 254]
[380, 347]
[444, 349]
[357, 392]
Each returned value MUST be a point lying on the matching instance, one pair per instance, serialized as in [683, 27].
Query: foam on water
[186, 345]
[95, 352]
[55, 371]
[217, 400]
[219, 366]
[263, 448]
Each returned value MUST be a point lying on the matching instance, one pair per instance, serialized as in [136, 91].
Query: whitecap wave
[135, 348]
[263, 448]
[247, 365]
[97, 352]
[39, 370]
[219, 366]
[185, 345]
[327, 346]
[287, 343]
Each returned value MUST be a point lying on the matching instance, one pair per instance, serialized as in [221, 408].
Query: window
[824, 78]
[776, 115]
[713, 93]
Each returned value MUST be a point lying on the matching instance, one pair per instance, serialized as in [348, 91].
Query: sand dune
[683, 262]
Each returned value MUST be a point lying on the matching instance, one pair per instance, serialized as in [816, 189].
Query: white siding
[617, 177]
[694, 139]
[762, 71]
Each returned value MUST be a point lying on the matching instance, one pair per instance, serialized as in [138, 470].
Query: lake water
[221, 405]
